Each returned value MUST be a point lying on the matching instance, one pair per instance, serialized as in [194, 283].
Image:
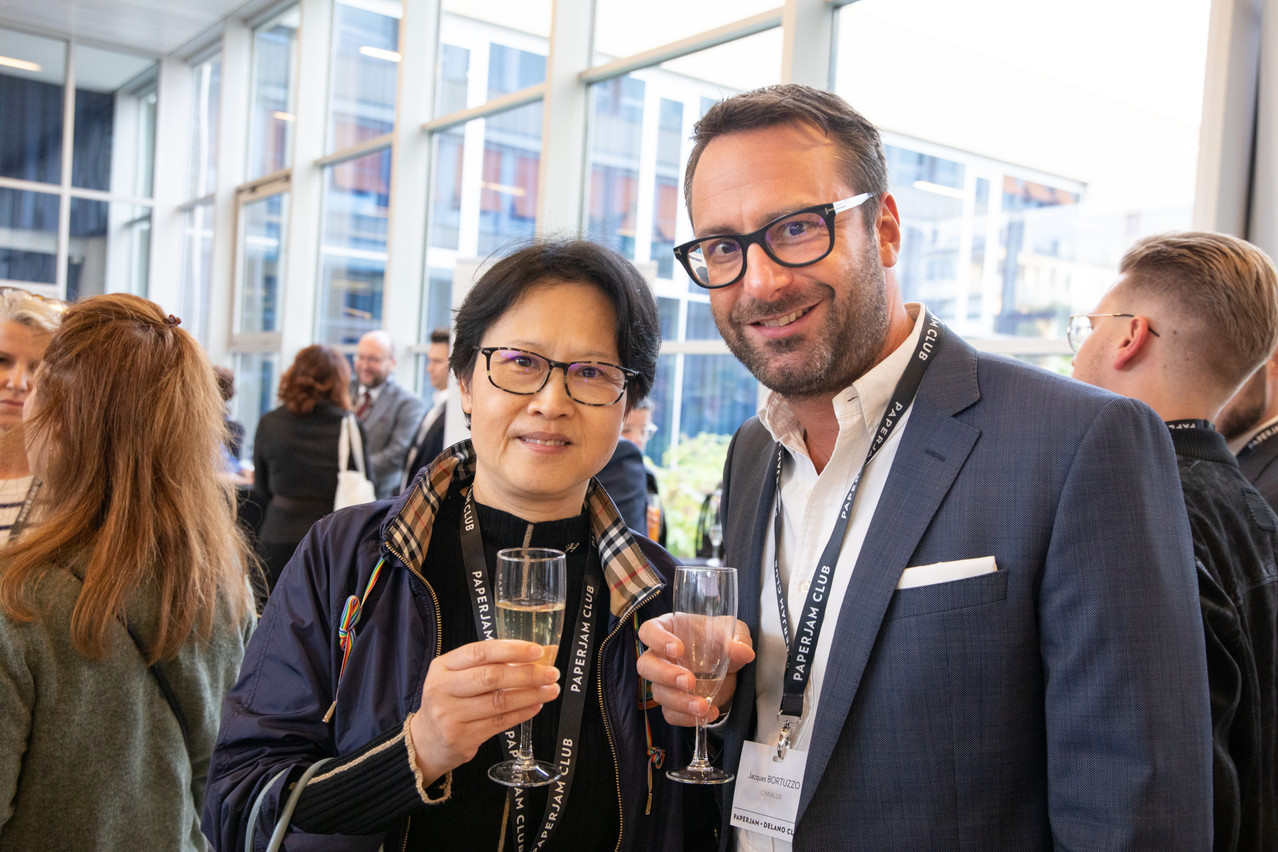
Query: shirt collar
[626, 570]
[861, 405]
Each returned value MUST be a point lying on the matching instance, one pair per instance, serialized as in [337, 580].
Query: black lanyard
[1258, 439]
[802, 645]
[575, 680]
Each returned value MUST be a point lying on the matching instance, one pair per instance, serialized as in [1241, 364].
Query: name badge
[766, 800]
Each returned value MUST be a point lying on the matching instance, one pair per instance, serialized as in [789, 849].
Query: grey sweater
[91, 755]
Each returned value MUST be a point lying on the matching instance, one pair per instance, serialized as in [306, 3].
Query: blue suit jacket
[1059, 703]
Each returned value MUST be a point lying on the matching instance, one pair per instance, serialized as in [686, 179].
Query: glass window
[115, 96]
[490, 48]
[265, 222]
[256, 380]
[1021, 173]
[109, 250]
[28, 237]
[197, 270]
[639, 127]
[620, 32]
[206, 94]
[353, 250]
[32, 88]
[485, 192]
[272, 111]
[365, 70]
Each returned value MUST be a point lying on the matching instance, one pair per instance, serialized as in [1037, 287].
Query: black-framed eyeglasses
[1080, 326]
[800, 238]
[524, 373]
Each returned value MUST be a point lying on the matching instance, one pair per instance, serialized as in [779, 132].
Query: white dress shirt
[811, 503]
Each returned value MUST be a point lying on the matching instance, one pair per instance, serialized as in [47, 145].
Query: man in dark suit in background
[1249, 423]
[428, 441]
[980, 627]
[390, 413]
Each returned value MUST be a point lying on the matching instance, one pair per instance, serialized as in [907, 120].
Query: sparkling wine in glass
[531, 584]
[705, 617]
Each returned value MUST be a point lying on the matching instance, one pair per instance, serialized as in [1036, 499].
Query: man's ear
[888, 227]
[1135, 338]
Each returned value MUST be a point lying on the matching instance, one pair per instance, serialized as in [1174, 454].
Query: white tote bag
[353, 486]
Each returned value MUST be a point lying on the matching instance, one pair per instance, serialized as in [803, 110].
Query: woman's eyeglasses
[524, 373]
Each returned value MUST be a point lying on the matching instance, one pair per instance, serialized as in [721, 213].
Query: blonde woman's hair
[128, 406]
[30, 309]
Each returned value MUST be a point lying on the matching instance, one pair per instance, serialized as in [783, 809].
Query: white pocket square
[945, 572]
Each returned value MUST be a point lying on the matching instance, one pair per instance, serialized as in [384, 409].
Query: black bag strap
[165, 687]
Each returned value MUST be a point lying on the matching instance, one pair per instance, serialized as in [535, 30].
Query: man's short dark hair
[439, 334]
[858, 141]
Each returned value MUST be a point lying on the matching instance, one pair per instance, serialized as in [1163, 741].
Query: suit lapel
[933, 449]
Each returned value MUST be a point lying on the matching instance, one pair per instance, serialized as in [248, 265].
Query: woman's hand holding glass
[474, 693]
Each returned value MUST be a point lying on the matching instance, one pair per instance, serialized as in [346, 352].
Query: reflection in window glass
[485, 198]
[255, 382]
[206, 94]
[272, 112]
[1008, 228]
[621, 31]
[197, 269]
[28, 236]
[115, 97]
[639, 130]
[261, 262]
[353, 251]
[109, 250]
[32, 88]
[365, 72]
[489, 48]
[718, 395]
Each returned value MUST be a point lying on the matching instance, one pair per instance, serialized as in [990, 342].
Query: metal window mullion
[64, 195]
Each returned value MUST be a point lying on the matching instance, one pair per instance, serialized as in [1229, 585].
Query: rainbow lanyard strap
[351, 611]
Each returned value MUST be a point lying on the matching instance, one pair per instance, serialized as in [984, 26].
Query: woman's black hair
[549, 262]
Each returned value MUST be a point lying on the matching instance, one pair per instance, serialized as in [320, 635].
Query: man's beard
[842, 350]
[1246, 408]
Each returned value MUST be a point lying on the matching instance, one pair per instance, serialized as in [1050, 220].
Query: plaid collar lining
[626, 569]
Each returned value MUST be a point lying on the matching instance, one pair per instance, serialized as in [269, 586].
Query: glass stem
[699, 758]
[524, 755]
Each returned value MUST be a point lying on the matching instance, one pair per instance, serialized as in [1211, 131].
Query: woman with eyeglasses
[369, 651]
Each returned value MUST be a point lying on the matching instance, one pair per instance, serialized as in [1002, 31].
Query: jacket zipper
[603, 711]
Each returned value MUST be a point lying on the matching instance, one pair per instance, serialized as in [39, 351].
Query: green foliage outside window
[693, 469]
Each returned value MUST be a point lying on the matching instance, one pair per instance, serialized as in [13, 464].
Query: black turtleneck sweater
[472, 817]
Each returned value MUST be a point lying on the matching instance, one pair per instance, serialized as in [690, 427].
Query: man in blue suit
[971, 581]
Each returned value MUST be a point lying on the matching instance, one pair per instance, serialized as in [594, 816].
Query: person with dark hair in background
[971, 580]
[234, 428]
[552, 345]
[125, 609]
[295, 451]
[1191, 316]
[429, 440]
[639, 429]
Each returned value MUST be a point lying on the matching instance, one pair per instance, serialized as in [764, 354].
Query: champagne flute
[705, 619]
[531, 584]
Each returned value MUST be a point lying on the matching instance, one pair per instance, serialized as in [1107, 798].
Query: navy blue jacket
[274, 718]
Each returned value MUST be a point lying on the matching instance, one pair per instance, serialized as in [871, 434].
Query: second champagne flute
[531, 583]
